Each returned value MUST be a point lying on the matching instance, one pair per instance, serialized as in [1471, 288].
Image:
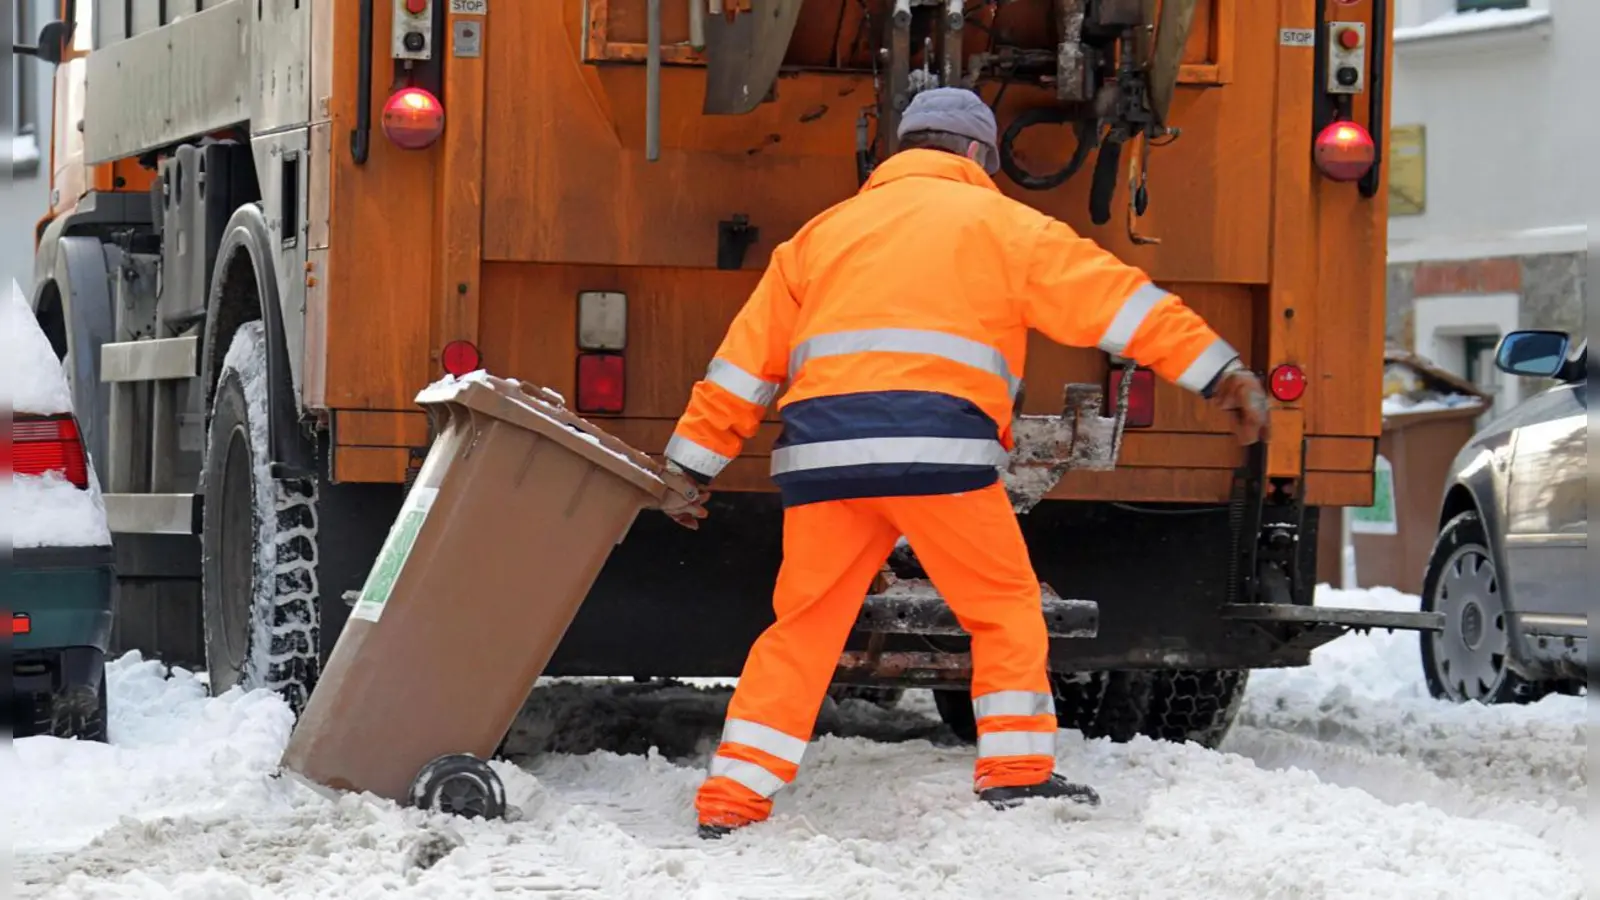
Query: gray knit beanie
[957, 111]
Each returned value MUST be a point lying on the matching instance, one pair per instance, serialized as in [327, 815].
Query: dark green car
[57, 591]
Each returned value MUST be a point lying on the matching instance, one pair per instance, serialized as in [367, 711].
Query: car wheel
[258, 542]
[1468, 659]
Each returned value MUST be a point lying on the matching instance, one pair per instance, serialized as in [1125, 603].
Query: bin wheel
[460, 784]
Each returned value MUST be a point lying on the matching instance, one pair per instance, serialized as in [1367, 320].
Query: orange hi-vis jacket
[899, 319]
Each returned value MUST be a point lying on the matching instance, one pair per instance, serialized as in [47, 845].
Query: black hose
[1105, 181]
[361, 135]
[1045, 115]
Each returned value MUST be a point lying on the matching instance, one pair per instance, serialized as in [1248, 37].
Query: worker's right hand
[1239, 392]
[685, 499]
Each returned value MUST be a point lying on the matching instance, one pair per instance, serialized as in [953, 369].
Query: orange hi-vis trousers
[972, 549]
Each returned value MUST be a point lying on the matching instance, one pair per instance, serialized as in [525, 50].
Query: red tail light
[1141, 397]
[460, 357]
[1287, 382]
[413, 118]
[49, 445]
[600, 382]
[21, 624]
[1344, 151]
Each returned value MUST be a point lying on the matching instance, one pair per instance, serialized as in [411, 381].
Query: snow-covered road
[1340, 780]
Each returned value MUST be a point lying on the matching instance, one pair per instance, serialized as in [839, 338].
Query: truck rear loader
[273, 221]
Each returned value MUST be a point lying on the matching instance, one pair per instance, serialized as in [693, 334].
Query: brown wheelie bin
[512, 515]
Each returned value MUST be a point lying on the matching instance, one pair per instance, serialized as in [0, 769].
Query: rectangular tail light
[602, 379]
[21, 623]
[51, 444]
[602, 320]
[1141, 397]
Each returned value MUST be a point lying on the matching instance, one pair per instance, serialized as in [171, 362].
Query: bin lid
[1416, 390]
[539, 409]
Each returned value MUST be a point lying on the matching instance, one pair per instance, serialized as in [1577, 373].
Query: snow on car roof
[40, 510]
[31, 378]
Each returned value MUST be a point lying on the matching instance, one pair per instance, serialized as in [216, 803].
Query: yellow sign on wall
[1408, 168]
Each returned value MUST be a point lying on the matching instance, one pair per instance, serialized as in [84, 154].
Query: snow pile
[1346, 782]
[31, 378]
[1470, 22]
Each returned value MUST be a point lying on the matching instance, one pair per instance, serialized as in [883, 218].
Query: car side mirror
[1533, 354]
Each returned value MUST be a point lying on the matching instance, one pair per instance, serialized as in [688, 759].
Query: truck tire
[79, 711]
[1176, 705]
[258, 542]
[1197, 705]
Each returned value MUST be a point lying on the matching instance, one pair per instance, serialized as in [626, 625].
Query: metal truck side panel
[184, 80]
[280, 65]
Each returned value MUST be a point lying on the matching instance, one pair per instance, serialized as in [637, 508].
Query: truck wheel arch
[73, 305]
[244, 288]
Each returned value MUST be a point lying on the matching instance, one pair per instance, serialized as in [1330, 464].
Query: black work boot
[715, 832]
[1054, 786]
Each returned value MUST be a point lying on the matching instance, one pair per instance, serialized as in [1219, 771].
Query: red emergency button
[1288, 382]
[416, 7]
[1349, 38]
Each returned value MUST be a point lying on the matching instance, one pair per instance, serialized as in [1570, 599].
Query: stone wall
[1552, 287]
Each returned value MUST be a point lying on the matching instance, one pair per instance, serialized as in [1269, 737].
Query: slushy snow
[1342, 780]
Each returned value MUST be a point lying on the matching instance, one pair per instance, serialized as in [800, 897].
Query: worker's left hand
[1239, 392]
[685, 499]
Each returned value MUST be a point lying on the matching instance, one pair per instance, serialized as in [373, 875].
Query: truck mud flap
[743, 55]
[913, 606]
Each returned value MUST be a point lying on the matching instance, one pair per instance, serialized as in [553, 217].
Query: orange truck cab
[273, 223]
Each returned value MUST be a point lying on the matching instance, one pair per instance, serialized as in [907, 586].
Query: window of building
[1466, 5]
[24, 75]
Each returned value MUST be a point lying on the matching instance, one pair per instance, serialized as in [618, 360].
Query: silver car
[1508, 567]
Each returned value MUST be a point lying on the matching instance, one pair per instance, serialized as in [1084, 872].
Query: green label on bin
[1381, 517]
[392, 558]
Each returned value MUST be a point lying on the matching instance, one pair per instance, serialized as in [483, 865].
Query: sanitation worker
[899, 319]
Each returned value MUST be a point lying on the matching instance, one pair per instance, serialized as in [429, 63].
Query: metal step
[1351, 619]
[153, 513]
[913, 606]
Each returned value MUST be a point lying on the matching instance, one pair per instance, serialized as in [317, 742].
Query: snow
[1471, 22]
[1342, 780]
[31, 378]
[49, 511]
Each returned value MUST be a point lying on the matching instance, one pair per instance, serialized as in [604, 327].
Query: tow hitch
[1267, 590]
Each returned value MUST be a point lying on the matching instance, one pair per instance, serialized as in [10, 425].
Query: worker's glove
[685, 499]
[1239, 391]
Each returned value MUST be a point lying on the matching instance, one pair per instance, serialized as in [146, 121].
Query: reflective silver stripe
[690, 455]
[1016, 743]
[870, 451]
[961, 350]
[748, 774]
[1013, 703]
[766, 738]
[740, 383]
[1128, 319]
[1207, 365]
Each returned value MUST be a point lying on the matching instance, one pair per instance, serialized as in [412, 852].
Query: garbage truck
[272, 222]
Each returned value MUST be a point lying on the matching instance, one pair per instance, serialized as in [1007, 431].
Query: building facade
[25, 192]
[1487, 229]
